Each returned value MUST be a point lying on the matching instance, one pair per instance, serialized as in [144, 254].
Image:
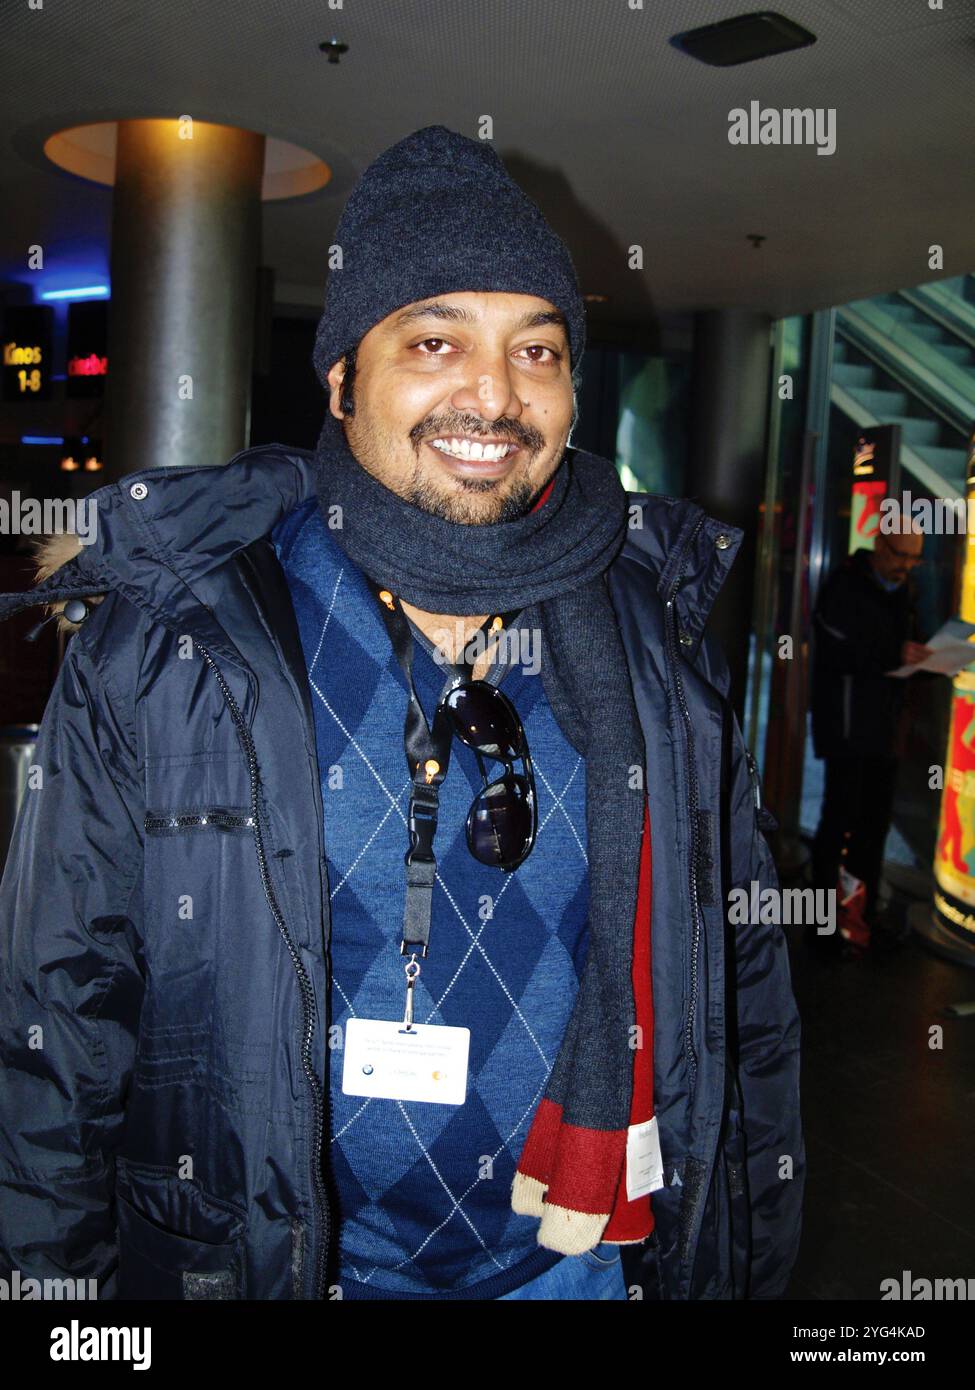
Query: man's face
[441, 381]
[895, 555]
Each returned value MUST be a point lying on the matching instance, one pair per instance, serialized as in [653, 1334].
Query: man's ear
[335, 377]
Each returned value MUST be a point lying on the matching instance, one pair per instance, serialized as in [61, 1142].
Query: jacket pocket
[158, 1263]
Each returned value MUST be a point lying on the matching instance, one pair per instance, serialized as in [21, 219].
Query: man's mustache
[530, 439]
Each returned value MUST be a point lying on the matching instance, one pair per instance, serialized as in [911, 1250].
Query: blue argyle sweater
[424, 1189]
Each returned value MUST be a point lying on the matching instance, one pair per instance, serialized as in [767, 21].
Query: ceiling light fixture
[333, 49]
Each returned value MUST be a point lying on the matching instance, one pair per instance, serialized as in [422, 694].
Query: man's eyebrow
[542, 317]
[454, 314]
[435, 311]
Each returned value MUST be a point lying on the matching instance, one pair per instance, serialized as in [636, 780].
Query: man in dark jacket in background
[864, 626]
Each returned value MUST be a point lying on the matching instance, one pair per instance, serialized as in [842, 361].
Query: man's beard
[422, 492]
[455, 507]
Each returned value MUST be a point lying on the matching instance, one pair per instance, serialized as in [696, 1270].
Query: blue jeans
[595, 1274]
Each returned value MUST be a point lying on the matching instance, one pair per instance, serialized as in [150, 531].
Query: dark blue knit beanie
[438, 213]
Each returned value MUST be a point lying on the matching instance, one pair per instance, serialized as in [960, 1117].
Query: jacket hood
[159, 531]
[51, 553]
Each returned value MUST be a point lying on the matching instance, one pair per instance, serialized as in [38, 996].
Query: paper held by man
[951, 651]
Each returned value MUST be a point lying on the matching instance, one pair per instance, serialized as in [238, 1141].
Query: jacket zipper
[304, 983]
[695, 838]
[756, 779]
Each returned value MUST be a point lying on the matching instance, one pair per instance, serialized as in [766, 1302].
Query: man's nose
[488, 387]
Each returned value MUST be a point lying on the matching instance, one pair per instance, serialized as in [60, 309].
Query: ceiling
[621, 139]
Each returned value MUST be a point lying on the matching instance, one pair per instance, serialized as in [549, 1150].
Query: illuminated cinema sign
[92, 365]
[876, 474]
[27, 334]
[87, 359]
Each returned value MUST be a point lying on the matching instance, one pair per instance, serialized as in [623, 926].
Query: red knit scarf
[566, 1173]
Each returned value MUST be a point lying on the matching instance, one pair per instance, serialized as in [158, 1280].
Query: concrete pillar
[726, 463]
[186, 229]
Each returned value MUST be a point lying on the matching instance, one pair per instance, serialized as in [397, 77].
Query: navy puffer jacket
[163, 959]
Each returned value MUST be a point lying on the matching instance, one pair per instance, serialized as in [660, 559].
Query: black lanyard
[427, 758]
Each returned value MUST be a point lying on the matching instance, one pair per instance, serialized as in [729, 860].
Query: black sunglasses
[503, 819]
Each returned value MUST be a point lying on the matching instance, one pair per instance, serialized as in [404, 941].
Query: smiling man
[371, 961]
[479, 454]
[448, 431]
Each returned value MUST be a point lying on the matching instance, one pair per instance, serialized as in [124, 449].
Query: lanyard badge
[411, 1061]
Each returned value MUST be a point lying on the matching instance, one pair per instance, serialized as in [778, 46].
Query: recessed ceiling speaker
[743, 39]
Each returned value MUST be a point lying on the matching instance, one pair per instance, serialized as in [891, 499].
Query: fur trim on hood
[50, 553]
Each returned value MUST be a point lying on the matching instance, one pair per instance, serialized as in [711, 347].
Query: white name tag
[385, 1061]
[644, 1162]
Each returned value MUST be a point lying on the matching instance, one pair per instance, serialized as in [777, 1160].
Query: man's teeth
[471, 449]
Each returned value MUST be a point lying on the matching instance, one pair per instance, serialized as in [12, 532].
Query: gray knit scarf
[552, 563]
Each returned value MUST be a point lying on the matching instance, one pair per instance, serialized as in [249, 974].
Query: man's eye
[437, 343]
[540, 347]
